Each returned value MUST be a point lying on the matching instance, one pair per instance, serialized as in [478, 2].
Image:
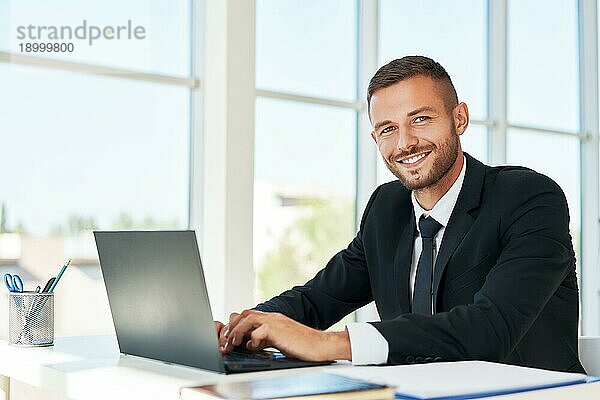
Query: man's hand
[221, 329]
[259, 330]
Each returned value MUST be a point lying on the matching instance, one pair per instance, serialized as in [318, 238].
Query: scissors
[13, 283]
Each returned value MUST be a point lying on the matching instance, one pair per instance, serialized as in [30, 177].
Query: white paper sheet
[446, 379]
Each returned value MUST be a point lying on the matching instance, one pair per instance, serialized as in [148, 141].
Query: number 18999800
[46, 47]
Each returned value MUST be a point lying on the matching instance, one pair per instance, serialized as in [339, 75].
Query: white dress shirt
[367, 344]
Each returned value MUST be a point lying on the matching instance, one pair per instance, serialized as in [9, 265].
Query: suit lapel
[460, 220]
[402, 262]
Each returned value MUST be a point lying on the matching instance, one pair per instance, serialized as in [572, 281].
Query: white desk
[91, 368]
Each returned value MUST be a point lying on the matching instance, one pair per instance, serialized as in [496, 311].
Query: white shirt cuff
[368, 345]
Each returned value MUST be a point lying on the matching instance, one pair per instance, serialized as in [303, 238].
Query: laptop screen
[158, 297]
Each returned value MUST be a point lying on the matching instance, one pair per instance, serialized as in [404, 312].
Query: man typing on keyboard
[464, 261]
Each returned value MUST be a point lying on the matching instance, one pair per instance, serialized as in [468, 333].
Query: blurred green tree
[3, 219]
[325, 228]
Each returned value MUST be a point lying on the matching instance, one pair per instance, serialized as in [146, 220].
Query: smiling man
[464, 261]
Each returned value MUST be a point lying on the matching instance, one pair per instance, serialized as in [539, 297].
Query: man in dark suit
[502, 286]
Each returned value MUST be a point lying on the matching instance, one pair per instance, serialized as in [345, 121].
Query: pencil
[62, 271]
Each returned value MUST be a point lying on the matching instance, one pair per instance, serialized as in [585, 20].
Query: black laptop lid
[158, 296]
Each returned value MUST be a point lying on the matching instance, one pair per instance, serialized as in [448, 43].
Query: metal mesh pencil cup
[30, 319]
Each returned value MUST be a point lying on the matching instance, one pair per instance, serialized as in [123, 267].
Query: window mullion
[497, 79]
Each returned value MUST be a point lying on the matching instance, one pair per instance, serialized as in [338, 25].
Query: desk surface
[90, 368]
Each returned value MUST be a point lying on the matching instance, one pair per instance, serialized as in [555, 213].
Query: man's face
[416, 132]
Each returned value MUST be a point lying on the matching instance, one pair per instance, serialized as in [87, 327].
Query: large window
[543, 64]
[305, 139]
[93, 152]
[87, 151]
[304, 190]
[297, 51]
[543, 96]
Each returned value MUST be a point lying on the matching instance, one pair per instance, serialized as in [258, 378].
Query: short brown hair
[407, 67]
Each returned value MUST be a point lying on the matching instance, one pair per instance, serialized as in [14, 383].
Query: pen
[48, 284]
[62, 271]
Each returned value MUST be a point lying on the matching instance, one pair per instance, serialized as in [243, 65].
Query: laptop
[160, 307]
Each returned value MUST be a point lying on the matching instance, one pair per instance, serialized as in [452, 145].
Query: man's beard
[445, 154]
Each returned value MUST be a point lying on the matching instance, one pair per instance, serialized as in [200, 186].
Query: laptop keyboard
[243, 360]
[248, 356]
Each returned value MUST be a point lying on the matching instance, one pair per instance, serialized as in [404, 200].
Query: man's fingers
[222, 337]
[256, 347]
[233, 319]
[221, 328]
[258, 338]
[245, 325]
[218, 326]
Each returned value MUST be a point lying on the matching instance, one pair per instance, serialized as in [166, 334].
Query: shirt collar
[442, 210]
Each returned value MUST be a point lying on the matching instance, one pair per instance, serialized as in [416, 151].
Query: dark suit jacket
[504, 288]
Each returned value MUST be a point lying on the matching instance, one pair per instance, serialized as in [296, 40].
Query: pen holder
[31, 319]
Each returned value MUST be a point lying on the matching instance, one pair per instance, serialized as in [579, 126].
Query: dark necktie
[428, 227]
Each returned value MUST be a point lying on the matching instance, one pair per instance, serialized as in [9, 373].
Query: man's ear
[374, 137]
[461, 118]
